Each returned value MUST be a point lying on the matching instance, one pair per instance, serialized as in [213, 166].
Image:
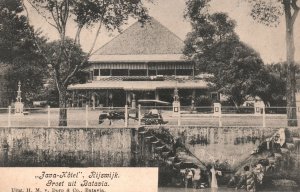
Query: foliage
[216, 49]
[111, 14]
[72, 57]
[203, 100]
[19, 52]
[266, 12]
[210, 35]
[239, 78]
[269, 13]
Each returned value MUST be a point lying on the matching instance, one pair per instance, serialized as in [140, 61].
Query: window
[138, 72]
[152, 72]
[105, 72]
[96, 72]
[119, 72]
[168, 72]
[184, 72]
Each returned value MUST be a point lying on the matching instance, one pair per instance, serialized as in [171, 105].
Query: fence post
[9, 116]
[179, 116]
[86, 116]
[218, 112]
[139, 114]
[220, 117]
[264, 115]
[126, 116]
[48, 115]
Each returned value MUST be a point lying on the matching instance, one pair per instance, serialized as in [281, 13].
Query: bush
[203, 100]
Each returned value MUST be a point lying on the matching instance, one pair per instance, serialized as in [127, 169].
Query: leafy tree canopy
[238, 71]
[19, 52]
[110, 14]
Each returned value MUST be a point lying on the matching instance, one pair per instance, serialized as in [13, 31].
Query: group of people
[250, 178]
[202, 180]
[192, 175]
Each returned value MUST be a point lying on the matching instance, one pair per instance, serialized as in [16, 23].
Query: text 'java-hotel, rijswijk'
[143, 62]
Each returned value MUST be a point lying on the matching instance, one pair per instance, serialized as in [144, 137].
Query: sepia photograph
[149, 95]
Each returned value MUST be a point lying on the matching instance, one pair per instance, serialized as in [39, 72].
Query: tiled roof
[152, 38]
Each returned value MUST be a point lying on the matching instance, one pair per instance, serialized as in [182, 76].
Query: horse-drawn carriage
[152, 117]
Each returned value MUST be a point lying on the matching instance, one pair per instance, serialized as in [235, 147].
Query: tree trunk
[63, 120]
[290, 54]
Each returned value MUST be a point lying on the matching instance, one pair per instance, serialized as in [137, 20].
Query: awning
[141, 85]
[153, 101]
[120, 66]
[136, 58]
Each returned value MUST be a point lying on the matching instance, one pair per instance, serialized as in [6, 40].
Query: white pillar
[217, 109]
[94, 101]
[218, 112]
[179, 118]
[176, 108]
[48, 115]
[298, 104]
[156, 95]
[264, 115]
[193, 100]
[133, 102]
[126, 115]
[257, 109]
[86, 116]
[139, 112]
[9, 116]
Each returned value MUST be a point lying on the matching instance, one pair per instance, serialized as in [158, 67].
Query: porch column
[73, 98]
[94, 100]
[133, 102]
[193, 99]
[78, 98]
[156, 95]
[110, 96]
[107, 98]
[128, 98]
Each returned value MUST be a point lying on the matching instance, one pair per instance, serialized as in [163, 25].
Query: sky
[268, 41]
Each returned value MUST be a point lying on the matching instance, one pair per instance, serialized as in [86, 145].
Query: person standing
[214, 183]
[188, 177]
[196, 178]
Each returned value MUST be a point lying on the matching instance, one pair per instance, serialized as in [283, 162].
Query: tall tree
[111, 14]
[238, 77]
[210, 32]
[216, 49]
[18, 51]
[269, 13]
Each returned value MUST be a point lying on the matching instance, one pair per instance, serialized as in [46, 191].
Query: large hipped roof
[140, 40]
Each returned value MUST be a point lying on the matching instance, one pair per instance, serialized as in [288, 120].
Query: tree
[111, 14]
[18, 51]
[216, 49]
[239, 77]
[268, 13]
[209, 33]
[270, 87]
